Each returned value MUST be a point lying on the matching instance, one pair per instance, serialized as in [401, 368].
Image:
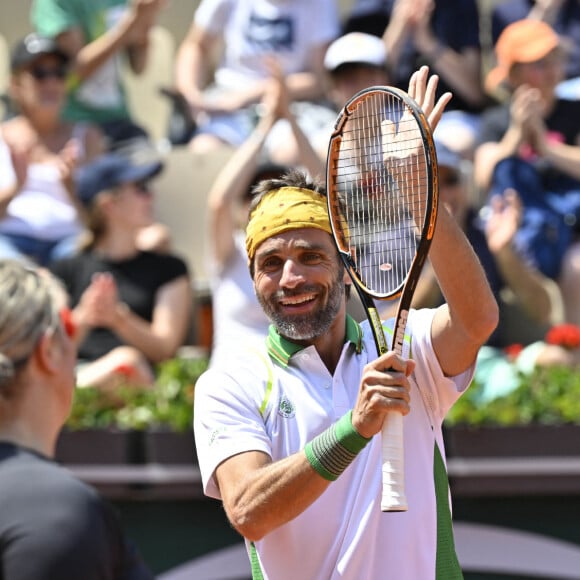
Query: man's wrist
[331, 452]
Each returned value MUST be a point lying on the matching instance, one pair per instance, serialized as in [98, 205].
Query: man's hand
[422, 89]
[384, 387]
[402, 143]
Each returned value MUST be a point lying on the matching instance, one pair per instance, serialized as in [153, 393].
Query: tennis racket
[382, 203]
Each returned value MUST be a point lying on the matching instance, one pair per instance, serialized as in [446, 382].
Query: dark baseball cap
[112, 170]
[446, 157]
[27, 50]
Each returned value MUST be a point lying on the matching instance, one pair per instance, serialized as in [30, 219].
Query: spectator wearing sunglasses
[101, 37]
[39, 211]
[52, 525]
[131, 306]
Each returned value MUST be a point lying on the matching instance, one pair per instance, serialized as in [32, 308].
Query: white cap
[356, 47]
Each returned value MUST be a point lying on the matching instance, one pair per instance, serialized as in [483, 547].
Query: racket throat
[400, 326]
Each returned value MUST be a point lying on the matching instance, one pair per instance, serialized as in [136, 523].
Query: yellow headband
[287, 208]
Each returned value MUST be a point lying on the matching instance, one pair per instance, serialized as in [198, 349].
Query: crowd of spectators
[271, 98]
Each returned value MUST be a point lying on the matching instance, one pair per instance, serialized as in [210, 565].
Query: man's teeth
[296, 300]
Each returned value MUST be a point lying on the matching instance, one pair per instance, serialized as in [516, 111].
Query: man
[96, 35]
[237, 315]
[254, 34]
[491, 232]
[353, 62]
[286, 434]
[532, 144]
[52, 525]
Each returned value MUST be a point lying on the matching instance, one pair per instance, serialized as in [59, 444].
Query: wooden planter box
[512, 441]
[117, 447]
[170, 447]
[100, 447]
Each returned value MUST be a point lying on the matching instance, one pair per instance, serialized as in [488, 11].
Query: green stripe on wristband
[331, 452]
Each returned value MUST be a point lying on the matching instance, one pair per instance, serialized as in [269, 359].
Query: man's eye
[312, 257]
[270, 263]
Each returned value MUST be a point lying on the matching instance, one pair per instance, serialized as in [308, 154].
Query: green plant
[548, 396]
[168, 404]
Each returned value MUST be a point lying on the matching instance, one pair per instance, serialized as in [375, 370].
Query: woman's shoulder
[163, 258]
[15, 130]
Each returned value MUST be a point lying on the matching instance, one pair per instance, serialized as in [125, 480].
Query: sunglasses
[143, 187]
[449, 179]
[42, 73]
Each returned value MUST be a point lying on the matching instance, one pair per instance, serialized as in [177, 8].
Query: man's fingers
[435, 116]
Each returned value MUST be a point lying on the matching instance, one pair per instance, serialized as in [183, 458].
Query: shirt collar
[281, 349]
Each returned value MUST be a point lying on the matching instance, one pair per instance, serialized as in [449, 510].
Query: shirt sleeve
[439, 392]
[227, 419]
[52, 17]
[212, 15]
[170, 267]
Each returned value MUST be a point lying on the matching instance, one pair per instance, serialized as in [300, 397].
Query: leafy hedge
[169, 403]
[548, 396]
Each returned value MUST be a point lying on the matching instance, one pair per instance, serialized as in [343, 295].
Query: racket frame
[393, 496]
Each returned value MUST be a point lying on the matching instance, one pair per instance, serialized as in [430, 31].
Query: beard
[309, 326]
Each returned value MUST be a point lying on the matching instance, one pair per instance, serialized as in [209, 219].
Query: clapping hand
[67, 162]
[503, 220]
[99, 303]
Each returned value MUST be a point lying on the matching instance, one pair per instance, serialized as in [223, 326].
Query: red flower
[566, 335]
[513, 350]
[126, 371]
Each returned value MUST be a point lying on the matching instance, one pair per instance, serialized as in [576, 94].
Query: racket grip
[393, 497]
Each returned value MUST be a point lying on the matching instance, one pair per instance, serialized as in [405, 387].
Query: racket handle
[393, 497]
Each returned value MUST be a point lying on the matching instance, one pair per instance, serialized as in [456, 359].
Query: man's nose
[292, 274]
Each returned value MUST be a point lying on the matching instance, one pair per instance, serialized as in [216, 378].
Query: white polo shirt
[289, 30]
[277, 400]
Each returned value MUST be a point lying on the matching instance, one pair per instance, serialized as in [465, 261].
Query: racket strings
[380, 174]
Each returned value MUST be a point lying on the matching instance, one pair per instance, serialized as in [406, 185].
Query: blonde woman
[52, 525]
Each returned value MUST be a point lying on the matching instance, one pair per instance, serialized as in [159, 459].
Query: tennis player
[286, 434]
